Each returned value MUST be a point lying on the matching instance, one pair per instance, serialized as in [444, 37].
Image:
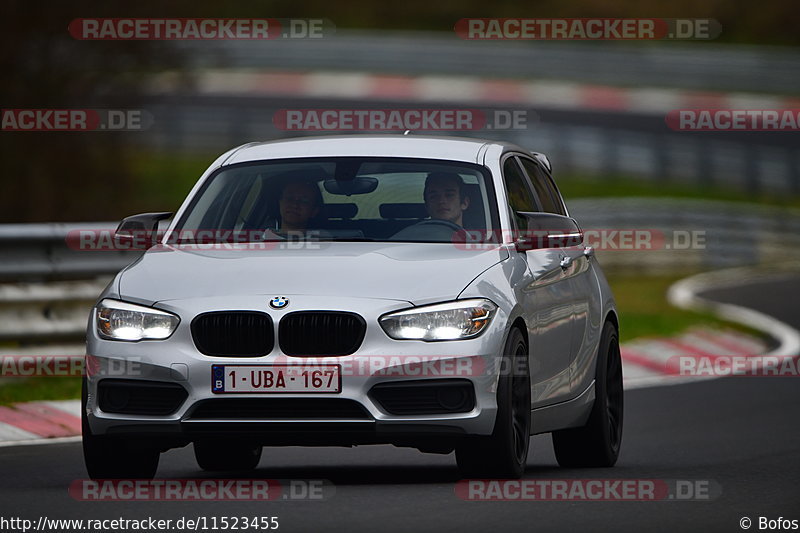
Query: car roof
[464, 149]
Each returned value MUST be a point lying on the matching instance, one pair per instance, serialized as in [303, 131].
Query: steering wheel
[432, 228]
[439, 222]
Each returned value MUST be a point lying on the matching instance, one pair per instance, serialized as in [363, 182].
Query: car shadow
[397, 474]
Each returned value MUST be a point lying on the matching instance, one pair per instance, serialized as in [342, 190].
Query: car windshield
[346, 199]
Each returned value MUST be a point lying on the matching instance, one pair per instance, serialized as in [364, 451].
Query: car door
[583, 291]
[543, 294]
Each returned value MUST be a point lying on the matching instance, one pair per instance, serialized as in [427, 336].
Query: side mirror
[546, 230]
[139, 232]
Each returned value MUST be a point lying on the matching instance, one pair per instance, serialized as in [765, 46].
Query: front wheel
[114, 457]
[597, 443]
[504, 453]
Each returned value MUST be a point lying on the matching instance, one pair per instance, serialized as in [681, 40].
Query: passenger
[299, 203]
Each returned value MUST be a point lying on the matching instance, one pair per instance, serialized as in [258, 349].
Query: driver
[445, 197]
[300, 201]
[446, 200]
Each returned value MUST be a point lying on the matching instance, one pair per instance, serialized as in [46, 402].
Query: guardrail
[45, 302]
[41, 252]
[734, 234]
[34, 312]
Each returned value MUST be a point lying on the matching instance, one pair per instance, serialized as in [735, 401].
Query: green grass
[645, 312]
[39, 389]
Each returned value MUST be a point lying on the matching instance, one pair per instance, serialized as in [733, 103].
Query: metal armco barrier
[34, 312]
[691, 235]
[734, 234]
[41, 298]
[41, 252]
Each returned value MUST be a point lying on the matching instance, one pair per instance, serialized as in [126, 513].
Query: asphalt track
[739, 434]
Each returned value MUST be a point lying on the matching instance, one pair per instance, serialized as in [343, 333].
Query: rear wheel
[215, 456]
[504, 453]
[113, 457]
[597, 443]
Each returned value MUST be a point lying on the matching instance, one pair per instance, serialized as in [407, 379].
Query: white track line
[9, 433]
[70, 407]
[684, 294]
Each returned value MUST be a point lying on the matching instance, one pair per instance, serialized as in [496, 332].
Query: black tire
[223, 456]
[504, 453]
[597, 443]
[113, 457]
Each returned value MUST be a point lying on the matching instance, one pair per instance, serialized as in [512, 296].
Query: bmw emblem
[279, 302]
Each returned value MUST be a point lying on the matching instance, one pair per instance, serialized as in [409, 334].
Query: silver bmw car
[427, 292]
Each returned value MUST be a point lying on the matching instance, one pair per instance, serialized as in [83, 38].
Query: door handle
[566, 261]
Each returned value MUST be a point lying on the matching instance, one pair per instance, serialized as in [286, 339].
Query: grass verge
[645, 312]
[13, 390]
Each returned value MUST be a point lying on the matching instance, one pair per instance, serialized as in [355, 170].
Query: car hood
[412, 272]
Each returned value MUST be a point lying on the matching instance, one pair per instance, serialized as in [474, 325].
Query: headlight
[123, 321]
[462, 319]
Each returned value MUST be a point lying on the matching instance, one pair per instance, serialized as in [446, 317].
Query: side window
[548, 195]
[519, 194]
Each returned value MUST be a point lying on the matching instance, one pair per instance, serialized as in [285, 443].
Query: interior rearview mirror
[357, 185]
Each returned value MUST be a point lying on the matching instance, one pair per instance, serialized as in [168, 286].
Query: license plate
[228, 379]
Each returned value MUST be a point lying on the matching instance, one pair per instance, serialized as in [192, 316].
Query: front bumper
[379, 360]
